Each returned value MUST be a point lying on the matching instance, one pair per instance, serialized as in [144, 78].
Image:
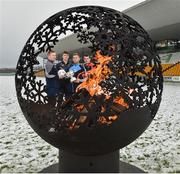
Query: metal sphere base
[108, 163]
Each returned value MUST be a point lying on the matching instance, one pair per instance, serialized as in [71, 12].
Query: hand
[72, 79]
[69, 74]
[61, 76]
[77, 81]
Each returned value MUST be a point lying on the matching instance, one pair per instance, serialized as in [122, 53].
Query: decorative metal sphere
[120, 95]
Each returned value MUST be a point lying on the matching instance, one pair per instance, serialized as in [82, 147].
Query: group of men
[66, 75]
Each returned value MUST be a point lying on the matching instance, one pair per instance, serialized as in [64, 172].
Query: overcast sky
[19, 18]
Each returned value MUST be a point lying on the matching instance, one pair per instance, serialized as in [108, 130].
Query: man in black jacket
[64, 83]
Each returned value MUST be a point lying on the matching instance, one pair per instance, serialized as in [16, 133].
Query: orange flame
[120, 101]
[96, 75]
[91, 84]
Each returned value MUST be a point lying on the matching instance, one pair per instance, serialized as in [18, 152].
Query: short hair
[76, 54]
[65, 52]
[86, 55]
[51, 51]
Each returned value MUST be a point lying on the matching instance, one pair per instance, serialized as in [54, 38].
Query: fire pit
[112, 107]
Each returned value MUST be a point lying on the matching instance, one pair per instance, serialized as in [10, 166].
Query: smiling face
[52, 56]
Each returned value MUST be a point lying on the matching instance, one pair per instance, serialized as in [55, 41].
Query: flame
[109, 120]
[119, 100]
[91, 84]
[96, 75]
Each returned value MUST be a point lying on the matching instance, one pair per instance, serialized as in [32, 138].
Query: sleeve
[59, 66]
[48, 68]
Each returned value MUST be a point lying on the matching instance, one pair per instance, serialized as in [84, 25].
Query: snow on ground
[22, 150]
[158, 148]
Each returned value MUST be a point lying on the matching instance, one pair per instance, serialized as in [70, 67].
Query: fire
[109, 120]
[120, 101]
[96, 75]
[91, 84]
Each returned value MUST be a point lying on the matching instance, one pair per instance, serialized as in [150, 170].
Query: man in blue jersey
[76, 68]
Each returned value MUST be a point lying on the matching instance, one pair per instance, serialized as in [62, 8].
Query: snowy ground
[22, 150]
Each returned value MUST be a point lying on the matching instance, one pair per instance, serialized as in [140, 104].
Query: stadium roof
[160, 18]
